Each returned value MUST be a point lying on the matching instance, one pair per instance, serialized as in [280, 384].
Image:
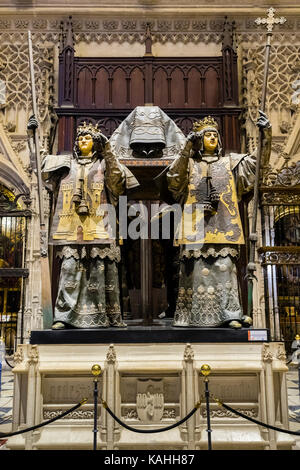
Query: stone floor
[6, 399]
[294, 403]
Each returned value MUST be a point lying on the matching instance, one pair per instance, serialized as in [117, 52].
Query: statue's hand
[191, 140]
[32, 123]
[193, 137]
[263, 121]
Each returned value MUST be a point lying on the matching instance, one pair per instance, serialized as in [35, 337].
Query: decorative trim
[267, 355]
[77, 414]
[33, 355]
[19, 355]
[275, 198]
[277, 257]
[188, 353]
[111, 355]
[251, 413]
[280, 353]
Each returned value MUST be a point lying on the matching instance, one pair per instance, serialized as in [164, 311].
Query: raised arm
[114, 173]
[177, 176]
[244, 166]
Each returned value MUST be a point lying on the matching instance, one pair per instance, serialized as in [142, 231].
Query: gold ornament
[205, 370]
[96, 370]
[208, 121]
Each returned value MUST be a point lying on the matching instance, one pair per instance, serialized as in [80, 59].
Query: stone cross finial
[270, 21]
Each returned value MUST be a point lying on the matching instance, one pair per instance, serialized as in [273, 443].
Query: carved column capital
[188, 353]
[111, 355]
[33, 355]
[267, 355]
[19, 355]
[280, 353]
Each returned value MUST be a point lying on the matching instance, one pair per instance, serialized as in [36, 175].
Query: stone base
[150, 386]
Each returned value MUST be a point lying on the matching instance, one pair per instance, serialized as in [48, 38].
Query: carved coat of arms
[150, 400]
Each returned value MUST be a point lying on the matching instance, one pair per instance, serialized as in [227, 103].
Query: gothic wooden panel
[194, 88]
[160, 88]
[137, 88]
[120, 89]
[212, 84]
[84, 88]
[102, 89]
[178, 90]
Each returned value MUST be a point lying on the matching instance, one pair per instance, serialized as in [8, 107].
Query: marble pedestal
[151, 385]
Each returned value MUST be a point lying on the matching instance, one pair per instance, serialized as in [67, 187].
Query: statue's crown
[208, 121]
[92, 128]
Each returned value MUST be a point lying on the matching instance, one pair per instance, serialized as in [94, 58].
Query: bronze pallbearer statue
[208, 186]
[85, 182]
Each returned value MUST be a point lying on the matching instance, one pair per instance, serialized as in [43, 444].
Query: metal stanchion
[206, 370]
[96, 371]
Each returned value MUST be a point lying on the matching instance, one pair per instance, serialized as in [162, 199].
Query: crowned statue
[85, 185]
[208, 186]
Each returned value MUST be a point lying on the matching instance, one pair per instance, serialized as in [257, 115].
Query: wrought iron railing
[13, 235]
[280, 258]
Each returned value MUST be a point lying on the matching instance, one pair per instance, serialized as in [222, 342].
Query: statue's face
[210, 141]
[85, 144]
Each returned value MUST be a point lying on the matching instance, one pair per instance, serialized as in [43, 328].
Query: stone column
[17, 418]
[267, 357]
[263, 405]
[33, 358]
[110, 366]
[281, 355]
[189, 392]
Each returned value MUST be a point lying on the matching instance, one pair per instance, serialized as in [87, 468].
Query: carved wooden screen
[106, 90]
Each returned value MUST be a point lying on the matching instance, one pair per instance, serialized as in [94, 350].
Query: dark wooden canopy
[106, 90]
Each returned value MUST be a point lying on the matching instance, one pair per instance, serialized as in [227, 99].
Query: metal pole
[95, 430]
[206, 370]
[209, 431]
[96, 371]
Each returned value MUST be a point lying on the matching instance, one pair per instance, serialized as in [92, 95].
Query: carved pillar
[18, 419]
[148, 67]
[230, 87]
[66, 93]
[263, 405]
[33, 358]
[31, 317]
[281, 356]
[230, 79]
[189, 394]
[110, 367]
[66, 65]
[267, 358]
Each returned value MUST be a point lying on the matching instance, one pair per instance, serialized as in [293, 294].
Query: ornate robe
[208, 288]
[88, 292]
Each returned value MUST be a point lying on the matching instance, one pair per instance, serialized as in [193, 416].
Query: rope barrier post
[96, 371]
[205, 371]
